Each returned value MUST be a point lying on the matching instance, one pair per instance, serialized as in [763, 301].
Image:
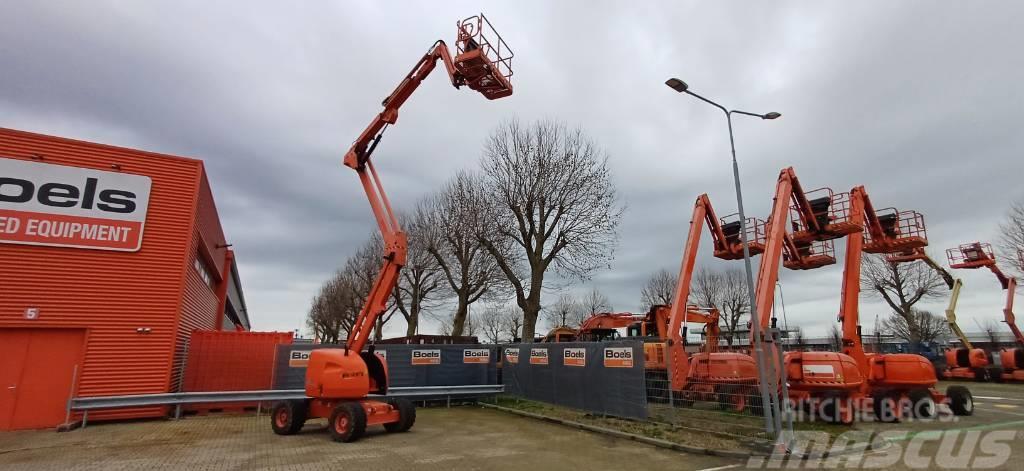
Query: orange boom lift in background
[978, 255]
[338, 381]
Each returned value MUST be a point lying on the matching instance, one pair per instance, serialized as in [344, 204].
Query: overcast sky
[918, 101]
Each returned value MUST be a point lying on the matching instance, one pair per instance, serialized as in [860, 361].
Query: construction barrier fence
[604, 378]
[408, 365]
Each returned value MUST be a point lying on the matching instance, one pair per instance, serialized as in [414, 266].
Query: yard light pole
[681, 87]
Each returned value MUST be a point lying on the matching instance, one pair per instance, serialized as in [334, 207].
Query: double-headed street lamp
[681, 87]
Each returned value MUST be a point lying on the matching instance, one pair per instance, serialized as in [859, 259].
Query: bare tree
[567, 311]
[927, 328]
[513, 322]
[492, 323]
[362, 269]
[835, 337]
[420, 279]
[725, 291]
[991, 330]
[594, 302]
[660, 289]
[799, 341]
[451, 220]
[901, 286]
[553, 204]
[334, 309]
[1011, 237]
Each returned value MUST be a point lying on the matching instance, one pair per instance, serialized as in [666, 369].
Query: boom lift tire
[960, 400]
[347, 422]
[732, 399]
[980, 375]
[406, 414]
[995, 373]
[922, 404]
[886, 407]
[288, 417]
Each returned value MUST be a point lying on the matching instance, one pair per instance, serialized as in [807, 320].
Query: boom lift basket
[731, 227]
[973, 255]
[831, 217]
[904, 233]
[809, 255]
[483, 58]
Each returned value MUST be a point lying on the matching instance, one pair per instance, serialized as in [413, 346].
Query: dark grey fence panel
[600, 377]
[452, 368]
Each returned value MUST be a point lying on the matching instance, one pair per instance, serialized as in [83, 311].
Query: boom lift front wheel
[960, 400]
[347, 422]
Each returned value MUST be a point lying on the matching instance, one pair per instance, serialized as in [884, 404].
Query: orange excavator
[652, 327]
[978, 255]
[339, 381]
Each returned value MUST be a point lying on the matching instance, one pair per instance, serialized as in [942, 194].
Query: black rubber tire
[347, 422]
[831, 411]
[406, 416]
[922, 404]
[288, 417]
[995, 374]
[960, 400]
[886, 407]
[980, 375]
[755, 404]
[731, 399]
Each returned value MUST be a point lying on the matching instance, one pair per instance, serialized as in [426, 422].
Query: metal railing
[86, 404]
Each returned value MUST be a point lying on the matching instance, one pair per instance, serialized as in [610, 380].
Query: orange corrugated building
[109, 259]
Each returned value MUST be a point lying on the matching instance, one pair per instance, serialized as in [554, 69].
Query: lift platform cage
[756, 236]
[904, 233]
[809, 255]
[831, 217]
[972, 255]
[483, 57]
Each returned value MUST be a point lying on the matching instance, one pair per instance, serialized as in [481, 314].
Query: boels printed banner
[426, 357]
[300, 358]
[574, 357]
[476, 355]
[618, 357]
[57, 205]
[512, 355]
[538, 356]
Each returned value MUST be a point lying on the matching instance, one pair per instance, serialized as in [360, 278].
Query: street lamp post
[681, 87]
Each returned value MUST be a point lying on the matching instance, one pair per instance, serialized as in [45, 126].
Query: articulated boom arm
[787, 189]
[951, 315]
[977, 255]
[473, 68]
[849, 310]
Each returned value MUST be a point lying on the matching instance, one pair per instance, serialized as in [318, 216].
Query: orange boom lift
[338, 381]
[888, 380]
[726, 377]
[978, 255]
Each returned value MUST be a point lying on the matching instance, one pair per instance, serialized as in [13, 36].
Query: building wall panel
[112, 294]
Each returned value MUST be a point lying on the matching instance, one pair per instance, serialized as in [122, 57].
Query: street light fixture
[755, 327]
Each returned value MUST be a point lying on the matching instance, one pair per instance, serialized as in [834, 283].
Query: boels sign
[57, 205]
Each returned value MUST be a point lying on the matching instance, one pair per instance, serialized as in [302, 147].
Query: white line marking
[997, 398]
[721, 468]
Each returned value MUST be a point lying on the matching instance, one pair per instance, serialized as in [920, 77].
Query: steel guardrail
[183, 398]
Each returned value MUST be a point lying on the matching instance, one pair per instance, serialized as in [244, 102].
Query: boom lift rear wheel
[922, 404]
[288, 417]
[347, 422]
[960, 400]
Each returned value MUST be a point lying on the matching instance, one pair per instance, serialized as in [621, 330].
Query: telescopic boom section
[849, 310]
[483, 64]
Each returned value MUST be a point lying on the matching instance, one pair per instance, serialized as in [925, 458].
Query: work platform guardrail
[86, 404]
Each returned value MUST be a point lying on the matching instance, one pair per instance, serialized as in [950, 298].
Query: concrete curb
[629, 436]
